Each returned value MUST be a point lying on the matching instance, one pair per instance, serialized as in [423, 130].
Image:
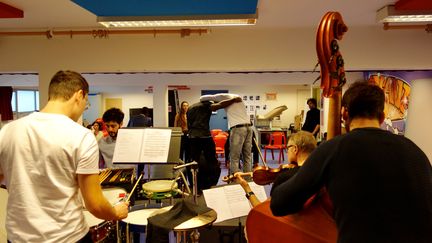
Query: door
[218, 118]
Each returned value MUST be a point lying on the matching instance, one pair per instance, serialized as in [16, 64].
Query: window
[14, 101]
[24, 102]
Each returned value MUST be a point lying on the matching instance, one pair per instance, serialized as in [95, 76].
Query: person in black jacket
[312, 122]
[380, 183]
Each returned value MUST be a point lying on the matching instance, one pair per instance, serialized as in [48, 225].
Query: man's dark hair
[113, 114]
[364, 99]
[65, 83]
[312, 100]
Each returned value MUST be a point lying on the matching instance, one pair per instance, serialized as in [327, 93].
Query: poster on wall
[397, 93]
[253, 104]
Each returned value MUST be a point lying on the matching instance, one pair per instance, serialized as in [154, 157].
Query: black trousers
[185, 149]
[203, 151]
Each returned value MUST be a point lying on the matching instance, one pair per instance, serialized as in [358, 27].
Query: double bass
[314, 224]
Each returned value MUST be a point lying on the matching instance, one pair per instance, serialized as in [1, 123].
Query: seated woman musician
[299, 146]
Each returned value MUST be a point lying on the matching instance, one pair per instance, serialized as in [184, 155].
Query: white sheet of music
[142, 145]
[230, 202]
[155, 146]
[128, 145]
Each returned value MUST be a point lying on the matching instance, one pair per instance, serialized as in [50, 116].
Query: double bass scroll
[330, 30]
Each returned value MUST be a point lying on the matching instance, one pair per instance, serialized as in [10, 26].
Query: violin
[262, 175]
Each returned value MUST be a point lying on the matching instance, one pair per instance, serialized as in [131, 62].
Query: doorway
[218, 119]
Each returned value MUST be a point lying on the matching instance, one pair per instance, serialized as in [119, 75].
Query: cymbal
[196, 222]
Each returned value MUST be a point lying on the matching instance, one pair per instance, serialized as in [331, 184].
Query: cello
[314, 223]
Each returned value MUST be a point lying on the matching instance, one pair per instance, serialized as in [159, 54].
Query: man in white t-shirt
[240, 138]
[46, 158]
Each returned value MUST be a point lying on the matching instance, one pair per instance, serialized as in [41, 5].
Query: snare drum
[99, 229]
[160, 189]
[114, 194]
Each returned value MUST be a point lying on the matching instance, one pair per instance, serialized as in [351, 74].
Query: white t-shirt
[236, 112]
[40, 156]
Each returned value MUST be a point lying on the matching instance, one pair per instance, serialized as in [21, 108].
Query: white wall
[418, 126]
[221, 50]
[286, 95]
[285, 85]
[131, 98]
[224, 49]
[94, 110]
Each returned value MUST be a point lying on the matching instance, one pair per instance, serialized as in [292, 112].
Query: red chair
[215, 132]
[220, 141]
[277, 142]
[223, 133]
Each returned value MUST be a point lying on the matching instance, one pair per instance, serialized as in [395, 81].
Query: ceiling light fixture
[177, 21]
[389, 14]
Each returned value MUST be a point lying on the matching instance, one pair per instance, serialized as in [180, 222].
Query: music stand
[138, 140]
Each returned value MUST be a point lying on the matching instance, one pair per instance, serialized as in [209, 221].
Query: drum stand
[182, 176]
[194, 169]
[194, 235]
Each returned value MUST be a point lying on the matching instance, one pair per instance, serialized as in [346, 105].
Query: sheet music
[142, 145]
[215, 199]
[237, 201]
[230, 202]
[259, 191]
[155, 145]
[128, 145]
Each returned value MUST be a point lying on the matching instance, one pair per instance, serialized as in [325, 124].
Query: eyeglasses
[87, 105]
[289, 146]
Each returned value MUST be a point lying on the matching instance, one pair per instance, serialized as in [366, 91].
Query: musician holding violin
[380, 183]
[299, 146]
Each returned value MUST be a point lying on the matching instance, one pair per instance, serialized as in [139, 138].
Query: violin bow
[259, 152]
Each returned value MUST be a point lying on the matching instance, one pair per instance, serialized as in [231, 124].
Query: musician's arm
[253, 199]
[88, 183]
[95, 201]
[290, 196]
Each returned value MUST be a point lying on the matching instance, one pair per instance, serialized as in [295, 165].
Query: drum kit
[136, 222]
[100, 230]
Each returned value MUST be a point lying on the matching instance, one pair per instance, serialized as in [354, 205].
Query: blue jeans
[240, 145]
